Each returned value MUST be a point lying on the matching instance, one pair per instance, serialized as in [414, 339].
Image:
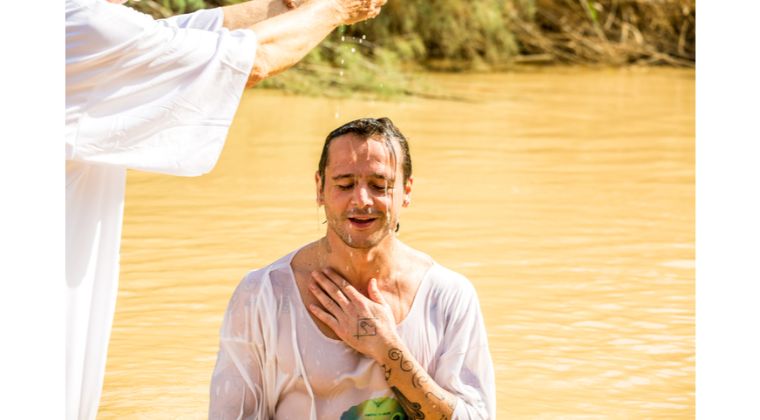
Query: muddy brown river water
[565, 195]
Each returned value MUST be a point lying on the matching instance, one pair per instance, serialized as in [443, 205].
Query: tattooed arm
[369, 327]
[419, 395]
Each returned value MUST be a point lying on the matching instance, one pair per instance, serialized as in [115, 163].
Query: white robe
[143, 94]
[275, 363]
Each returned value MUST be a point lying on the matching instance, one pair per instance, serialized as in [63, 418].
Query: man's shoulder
[450, 288]
[260, 296]
[261, 280]
[442, 280]
[443, 277]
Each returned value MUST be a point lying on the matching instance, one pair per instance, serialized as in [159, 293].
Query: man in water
[356, 323]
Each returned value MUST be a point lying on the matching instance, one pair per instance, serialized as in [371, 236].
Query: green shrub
[455, 35]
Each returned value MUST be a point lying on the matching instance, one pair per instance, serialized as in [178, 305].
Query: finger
[374, 293]
[345, 286]
[325, 317]
[379, 5]
[334, 277]
[374, 10]
[330, 288]
[325, 300]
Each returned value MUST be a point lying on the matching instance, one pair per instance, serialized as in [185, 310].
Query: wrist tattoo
[365, 327]
[419, 376]
[397, 354]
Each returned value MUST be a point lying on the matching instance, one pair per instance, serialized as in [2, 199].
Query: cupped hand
[353, 11]
[367, 325]
[292, 4]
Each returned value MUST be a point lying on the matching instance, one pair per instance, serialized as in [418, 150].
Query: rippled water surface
[566, 196]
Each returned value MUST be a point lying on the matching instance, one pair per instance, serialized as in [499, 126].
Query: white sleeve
[206, 19]
[242, 385]
[151, 95]
[464, 366]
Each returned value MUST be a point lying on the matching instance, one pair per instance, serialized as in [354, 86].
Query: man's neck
[357, 265]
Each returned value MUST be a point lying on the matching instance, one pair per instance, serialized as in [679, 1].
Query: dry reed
[616, 32]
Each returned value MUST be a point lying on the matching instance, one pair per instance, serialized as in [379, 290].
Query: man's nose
[362, 196]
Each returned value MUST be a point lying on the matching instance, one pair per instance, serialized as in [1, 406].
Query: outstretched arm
[244, 15]
[285, 39]
[369, 327]
[236, 16]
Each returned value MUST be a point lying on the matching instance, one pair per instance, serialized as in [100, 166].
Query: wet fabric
[274, 362]
[140, 94]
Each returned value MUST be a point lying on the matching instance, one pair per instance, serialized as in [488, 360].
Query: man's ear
[408, 191]
[320, 190]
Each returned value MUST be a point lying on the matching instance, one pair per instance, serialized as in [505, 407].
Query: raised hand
[367, 325]
[353, 11]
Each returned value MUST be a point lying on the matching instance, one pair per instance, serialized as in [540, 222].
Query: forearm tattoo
[365, 327]
[387, 372]
[419, 378]
[412, 409]
[396, 354]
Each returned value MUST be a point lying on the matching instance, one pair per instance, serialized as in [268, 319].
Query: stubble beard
[366, 242]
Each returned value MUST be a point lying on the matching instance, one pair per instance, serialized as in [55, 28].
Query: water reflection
[566, 196]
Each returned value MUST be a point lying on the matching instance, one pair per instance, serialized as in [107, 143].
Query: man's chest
[399, 301]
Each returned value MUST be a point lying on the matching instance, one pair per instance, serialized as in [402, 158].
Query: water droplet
[341, 73]
[337, 115]
[361, 40]
[342, 38]
[364, 36]
[342, 61]
[353, 50]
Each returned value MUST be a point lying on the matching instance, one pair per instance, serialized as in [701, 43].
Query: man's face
[363, 189]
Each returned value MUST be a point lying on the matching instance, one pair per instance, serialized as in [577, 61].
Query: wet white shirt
[274, 362]
[143, 94]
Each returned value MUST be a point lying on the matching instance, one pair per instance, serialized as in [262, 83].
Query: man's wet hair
[366, 128]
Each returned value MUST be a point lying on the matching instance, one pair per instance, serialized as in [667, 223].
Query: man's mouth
[361, 222]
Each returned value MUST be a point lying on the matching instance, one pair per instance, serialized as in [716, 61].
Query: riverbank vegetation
[480, 35]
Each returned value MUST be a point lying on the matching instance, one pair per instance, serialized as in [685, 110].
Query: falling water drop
[319, 224]
[353, 50]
